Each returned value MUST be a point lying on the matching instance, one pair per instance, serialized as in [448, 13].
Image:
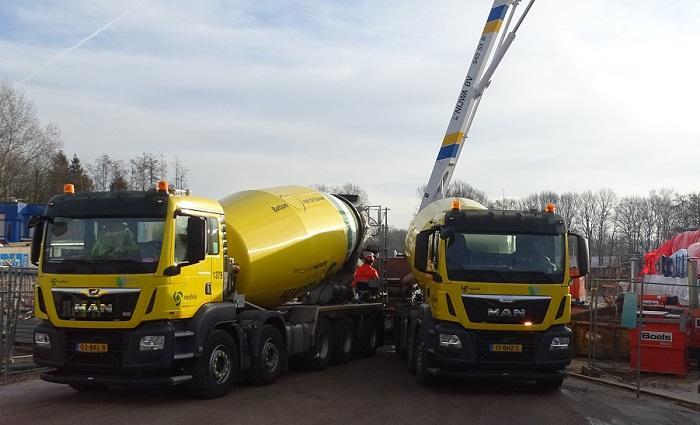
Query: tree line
[34, 167]
[614, 225]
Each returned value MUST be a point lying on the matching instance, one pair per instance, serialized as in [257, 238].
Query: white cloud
[592, 94]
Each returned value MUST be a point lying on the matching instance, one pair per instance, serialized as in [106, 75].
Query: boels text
[657, 336]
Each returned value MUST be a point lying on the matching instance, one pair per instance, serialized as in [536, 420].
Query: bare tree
[461, 189]
[179, 173]
[568, 208]
[25, 146]
[101, 172]
[605, 200]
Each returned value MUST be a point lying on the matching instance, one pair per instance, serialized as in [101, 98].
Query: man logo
[94, 292]
[506, 312]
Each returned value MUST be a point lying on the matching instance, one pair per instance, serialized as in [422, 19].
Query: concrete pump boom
[478, 79]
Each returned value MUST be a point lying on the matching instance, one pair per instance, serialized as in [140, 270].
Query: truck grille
[108, 305]
[116, 346]
[506, 309]
[484, 340]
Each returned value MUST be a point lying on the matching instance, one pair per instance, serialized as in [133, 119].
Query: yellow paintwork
[435, 293]
[190, 283]
[286, 240]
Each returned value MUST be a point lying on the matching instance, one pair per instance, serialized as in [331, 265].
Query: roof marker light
[162, 186]
[456, 205]
[69, 189]
[550, 208]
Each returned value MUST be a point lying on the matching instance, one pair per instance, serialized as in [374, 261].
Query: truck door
[192, 287]
[215, 257]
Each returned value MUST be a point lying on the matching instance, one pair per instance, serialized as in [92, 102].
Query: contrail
[79, 43]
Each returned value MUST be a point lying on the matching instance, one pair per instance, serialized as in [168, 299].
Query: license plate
[85, 347]
[507, 348]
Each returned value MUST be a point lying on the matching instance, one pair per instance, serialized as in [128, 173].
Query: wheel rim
[220, 364]
[271, 355]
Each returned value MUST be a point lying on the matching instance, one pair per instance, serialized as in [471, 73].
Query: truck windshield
[103, 245]
[508, 258]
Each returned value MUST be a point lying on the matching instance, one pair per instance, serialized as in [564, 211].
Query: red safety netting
[680, 241]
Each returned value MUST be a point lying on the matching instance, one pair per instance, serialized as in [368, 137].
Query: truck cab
[496, 297]
[117, 271]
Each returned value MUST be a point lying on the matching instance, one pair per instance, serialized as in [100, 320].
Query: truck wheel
[87, 387]
[551, 384]
[423, 362]
[411, 351]
[270, 358]
[343, 340]
[215, 371]
[370, 337]
[403, 340]
[320, 355]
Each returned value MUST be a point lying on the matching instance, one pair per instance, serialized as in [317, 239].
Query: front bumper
[120, 365]
[475, 358]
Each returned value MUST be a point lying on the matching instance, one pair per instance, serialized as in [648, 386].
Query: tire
[370, 337]
[270, 358]
[216, 370]
[411, 346]
[320, 354]
[343, 340]
[88, 388]
[551, 384]
[423, 362]
[403, 338]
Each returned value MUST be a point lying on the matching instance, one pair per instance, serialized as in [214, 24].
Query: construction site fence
[17, 320]
[601, 342]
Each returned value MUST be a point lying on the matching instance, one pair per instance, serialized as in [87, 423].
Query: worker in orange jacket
[365, 272]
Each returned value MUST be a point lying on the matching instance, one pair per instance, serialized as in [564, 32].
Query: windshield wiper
[73, 260]
[486, 271]
[121, 261]
[540, 274]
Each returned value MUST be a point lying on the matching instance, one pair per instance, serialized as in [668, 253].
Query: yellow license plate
[507, 348]
[84, 347]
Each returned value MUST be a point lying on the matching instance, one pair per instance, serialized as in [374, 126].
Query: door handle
[207, 288]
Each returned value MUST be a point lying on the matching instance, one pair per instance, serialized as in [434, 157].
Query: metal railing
[16, 319]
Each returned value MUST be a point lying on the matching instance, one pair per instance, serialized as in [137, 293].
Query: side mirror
[583, 261]
[37, 223]
[196, 239]
[420, 256]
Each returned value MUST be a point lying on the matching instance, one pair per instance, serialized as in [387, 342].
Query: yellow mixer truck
[155, 287]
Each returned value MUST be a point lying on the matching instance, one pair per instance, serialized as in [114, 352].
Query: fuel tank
[287, 240]
[433, 214]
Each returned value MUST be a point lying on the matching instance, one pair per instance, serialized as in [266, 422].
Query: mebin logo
[178, 297]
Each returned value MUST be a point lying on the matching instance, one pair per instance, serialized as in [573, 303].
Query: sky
[592, 94]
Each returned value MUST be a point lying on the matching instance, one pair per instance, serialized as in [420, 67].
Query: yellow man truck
[494, 299]
[496, 296]
[154, 287]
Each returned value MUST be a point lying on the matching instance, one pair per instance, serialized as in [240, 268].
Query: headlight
[42, 340]
[152, 343]
[559, 343]
[450, 340]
